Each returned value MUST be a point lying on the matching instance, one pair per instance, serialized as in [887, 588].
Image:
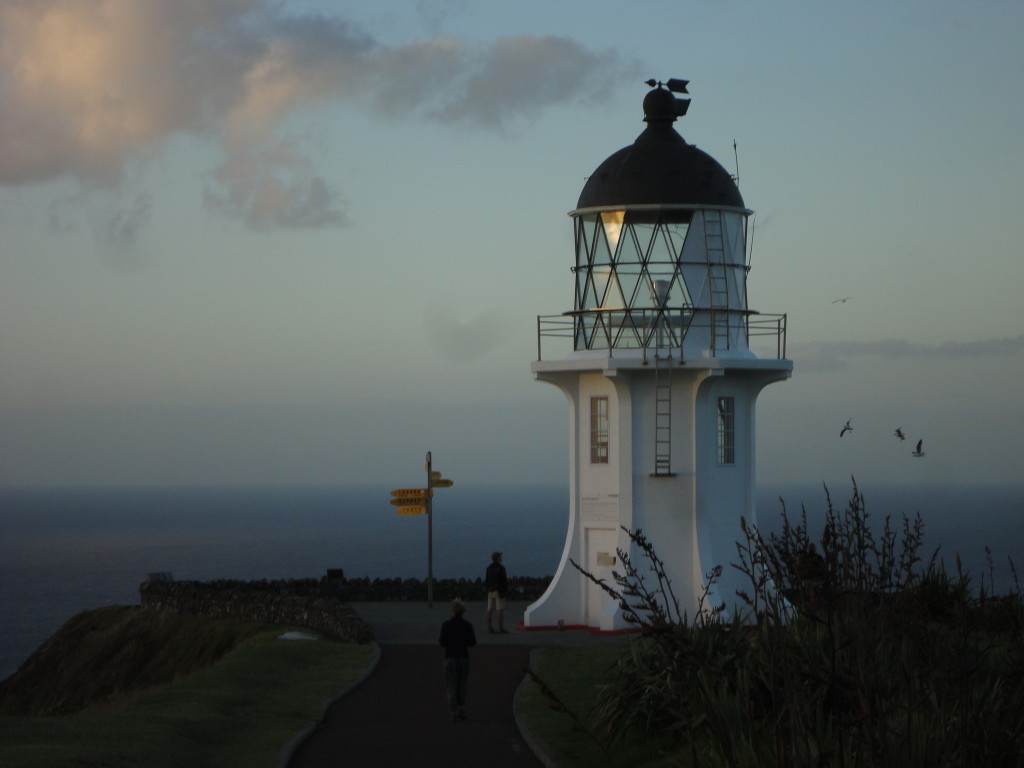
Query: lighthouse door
[601, 561]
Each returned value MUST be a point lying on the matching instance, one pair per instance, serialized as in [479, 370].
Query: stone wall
[525, 588]
[319, 604]
[302, 604]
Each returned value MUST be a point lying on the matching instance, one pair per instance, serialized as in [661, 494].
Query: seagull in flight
[843, 300]
[899, 433]
[918, 452]
[846, 428]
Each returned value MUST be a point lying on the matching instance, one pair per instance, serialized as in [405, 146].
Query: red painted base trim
[577, 627]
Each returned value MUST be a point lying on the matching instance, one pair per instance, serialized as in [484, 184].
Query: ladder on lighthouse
[662, 414]
[718, 284]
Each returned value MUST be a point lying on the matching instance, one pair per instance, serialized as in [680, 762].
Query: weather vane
[675, 86]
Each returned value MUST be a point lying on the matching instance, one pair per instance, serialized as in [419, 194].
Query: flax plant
[855, 651]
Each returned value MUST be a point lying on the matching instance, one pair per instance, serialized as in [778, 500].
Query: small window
[599, 430]
[726, 430]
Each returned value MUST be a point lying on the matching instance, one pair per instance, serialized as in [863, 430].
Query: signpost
[419, 501]
[409, 497]
[409, 493]
[420, 510]
[404, 504]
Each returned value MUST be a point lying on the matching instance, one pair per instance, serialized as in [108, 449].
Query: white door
[601, 561]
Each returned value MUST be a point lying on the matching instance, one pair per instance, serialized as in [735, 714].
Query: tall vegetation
[854, 651]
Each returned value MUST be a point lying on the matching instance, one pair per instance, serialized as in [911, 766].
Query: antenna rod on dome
[736, 160]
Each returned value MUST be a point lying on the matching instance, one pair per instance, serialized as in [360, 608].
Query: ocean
[66, 550]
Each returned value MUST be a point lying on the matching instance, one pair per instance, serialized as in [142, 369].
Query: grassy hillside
[104, 654]
[123, 686]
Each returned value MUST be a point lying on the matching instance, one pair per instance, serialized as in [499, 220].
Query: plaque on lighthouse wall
[600, 509]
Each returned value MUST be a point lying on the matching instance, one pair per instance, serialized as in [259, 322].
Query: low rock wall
[263, 602]
[365, 590]
[322, 605]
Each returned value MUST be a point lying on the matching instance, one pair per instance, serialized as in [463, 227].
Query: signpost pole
[430, 534]
[420, 501]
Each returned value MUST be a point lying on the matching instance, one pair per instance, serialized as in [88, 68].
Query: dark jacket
[457, 637]
[496, 579]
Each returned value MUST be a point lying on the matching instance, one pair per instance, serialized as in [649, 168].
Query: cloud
[272, 187]
[826, 356]
[433, 13]
[464, 341]
[62, 214]
[89, 84]
[124, 225]
[518, 77]
[89, 88]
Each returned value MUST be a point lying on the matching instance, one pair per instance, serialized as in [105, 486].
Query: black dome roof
[660, 168]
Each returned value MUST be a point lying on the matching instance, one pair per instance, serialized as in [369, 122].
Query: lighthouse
[661, 361]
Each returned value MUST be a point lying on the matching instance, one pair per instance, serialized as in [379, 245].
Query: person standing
[496, 581]
[457, 637]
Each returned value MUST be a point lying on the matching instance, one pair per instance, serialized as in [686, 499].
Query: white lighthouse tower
[664, 367]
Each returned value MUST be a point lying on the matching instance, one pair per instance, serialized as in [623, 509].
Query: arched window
[599, 430]
[726, 430]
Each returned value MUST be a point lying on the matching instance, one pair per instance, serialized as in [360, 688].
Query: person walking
[496, 581]
[457, 637]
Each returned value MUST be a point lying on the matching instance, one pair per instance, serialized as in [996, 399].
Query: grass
[104, 654]
[576, 676]
[241, 711]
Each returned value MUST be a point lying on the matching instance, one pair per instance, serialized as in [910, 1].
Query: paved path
[399, 716]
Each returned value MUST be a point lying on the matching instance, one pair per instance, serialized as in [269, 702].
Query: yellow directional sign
[410, 493]
[418, 510]
[407, 502]
[442, 483]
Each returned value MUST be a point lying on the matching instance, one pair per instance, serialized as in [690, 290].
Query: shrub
[858, 653]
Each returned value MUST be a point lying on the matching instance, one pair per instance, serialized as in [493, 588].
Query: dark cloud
[518, 77]
[61, 214]
[124, 225]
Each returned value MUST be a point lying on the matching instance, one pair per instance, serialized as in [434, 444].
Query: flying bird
[846, 428]
[843, 300]
[899, 433]
[918, 452]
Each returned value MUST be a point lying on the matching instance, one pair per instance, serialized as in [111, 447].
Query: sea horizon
[66, 549]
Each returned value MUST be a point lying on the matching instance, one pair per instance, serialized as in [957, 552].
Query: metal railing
[767, 326]
[659, 329]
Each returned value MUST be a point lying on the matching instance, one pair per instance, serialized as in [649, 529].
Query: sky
[291, 242]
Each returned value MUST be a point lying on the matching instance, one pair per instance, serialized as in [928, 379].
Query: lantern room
[661, 236]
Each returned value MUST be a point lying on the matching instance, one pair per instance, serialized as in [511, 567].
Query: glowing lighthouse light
[661, 363]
